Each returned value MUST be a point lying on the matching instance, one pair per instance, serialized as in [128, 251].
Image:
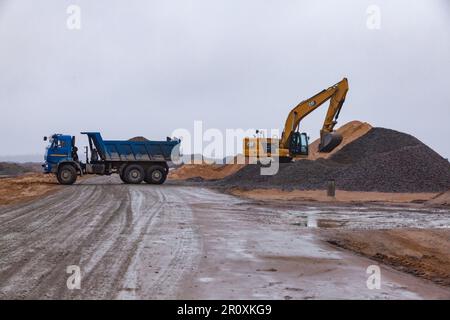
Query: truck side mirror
[45, 138]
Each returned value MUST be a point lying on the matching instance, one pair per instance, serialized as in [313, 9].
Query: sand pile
[350, 131]
[138, 139]
[381, 160]
[206, 171]
[26, 187]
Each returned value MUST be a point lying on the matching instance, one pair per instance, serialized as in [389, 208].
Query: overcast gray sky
[148, 67]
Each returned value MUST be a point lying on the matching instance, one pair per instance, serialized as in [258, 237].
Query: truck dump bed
[125, 150]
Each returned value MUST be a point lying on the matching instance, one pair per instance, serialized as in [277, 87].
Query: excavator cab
[299, 144]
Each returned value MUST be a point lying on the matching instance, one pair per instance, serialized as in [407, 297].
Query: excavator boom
[292, 142]
[328, 140]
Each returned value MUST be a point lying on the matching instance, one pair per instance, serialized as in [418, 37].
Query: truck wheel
[66, 174]
[134, 174]
[156, 175]
[121, 175]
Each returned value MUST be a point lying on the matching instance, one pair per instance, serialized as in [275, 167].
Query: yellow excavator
[293, 143]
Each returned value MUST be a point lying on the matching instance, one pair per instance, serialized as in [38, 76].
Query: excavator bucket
[330, 141]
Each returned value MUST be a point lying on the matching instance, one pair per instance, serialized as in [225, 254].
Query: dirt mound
[381, 160]
[26, 187]
[349, 131]
[138, 139]
[14, 169]
[200, 172]
[376, 141]
[411, 169]
[341, 196]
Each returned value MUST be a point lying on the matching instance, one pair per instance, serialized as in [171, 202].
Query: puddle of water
[370, 217]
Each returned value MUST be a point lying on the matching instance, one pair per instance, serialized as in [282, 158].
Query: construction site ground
[192, 242]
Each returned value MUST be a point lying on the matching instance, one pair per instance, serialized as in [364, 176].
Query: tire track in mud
[165, 234]
[15, 239]
[107, 274]
[38, 208]
[118, 252]
[43, 222]
[104, 227]
[149, 242]
[94, 243]
[37, 257]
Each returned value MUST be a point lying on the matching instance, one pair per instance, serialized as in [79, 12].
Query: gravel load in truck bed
[382, 160]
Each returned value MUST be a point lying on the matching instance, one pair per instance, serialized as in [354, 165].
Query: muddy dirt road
[155, 242]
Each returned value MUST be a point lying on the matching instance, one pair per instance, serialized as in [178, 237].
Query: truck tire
[134, 174]
[66, 174]
[121, 175]
[156, 175]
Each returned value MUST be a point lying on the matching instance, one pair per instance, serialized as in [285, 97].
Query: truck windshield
[52, 143]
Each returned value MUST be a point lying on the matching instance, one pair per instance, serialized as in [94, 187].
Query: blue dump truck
[134, 161]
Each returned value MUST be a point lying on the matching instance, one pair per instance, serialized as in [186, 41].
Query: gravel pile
[382, 160]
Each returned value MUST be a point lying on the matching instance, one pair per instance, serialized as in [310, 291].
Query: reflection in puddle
[370, 217]
[311, 221]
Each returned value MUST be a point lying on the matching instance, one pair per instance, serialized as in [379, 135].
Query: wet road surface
[157, 242]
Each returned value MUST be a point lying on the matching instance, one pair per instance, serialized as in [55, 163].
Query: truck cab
[61, 158]
[59, 150]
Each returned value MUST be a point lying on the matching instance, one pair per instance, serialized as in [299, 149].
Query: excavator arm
[328, 139]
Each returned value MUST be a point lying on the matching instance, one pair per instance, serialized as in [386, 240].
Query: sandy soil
[441, 199]
[350, 131]
[341, 196]
[422, 252]
[154, 242]
[26, 187]
[206, 171]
